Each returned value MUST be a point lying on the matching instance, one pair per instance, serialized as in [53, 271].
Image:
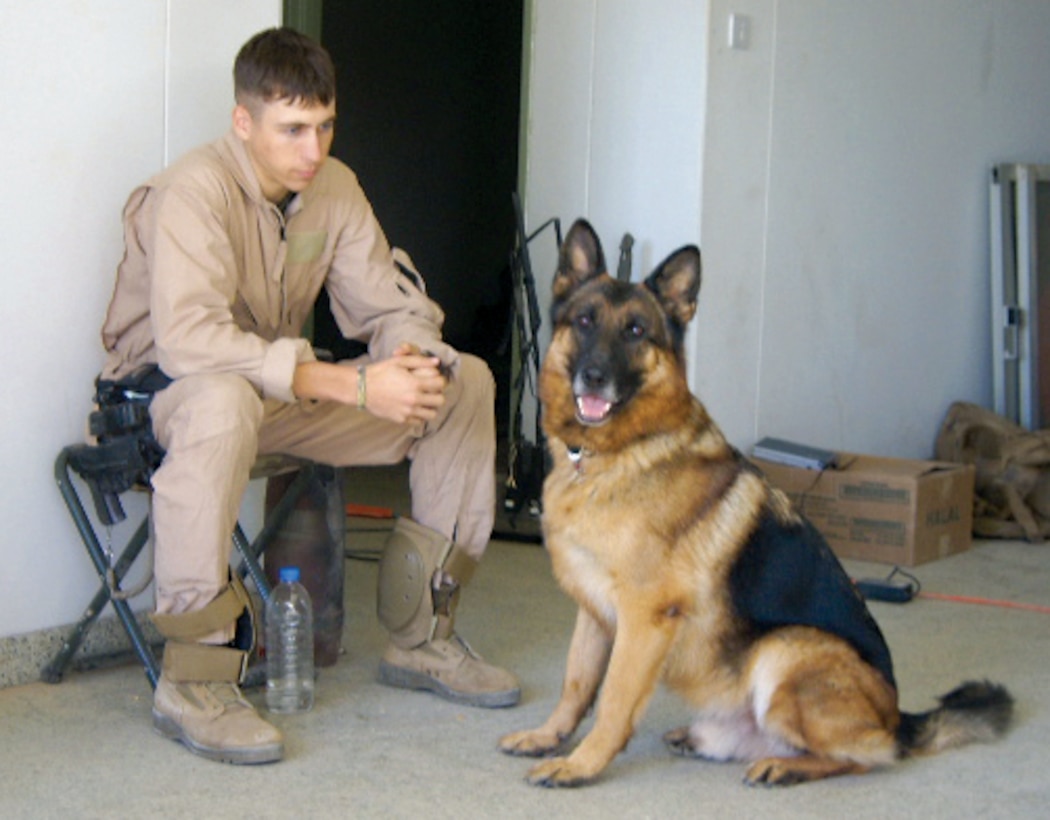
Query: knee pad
[420, 575]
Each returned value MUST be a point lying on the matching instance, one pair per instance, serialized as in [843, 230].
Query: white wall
[845, 221]
[615, 114]
[97, 95]
[844, 199]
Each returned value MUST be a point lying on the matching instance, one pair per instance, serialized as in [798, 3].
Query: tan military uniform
[215, 286]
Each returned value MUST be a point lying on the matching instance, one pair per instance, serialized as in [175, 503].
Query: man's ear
[242, 121]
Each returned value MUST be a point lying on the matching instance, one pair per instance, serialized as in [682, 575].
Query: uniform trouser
[214, 426]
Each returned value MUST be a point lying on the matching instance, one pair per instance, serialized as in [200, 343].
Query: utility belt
[125, 454]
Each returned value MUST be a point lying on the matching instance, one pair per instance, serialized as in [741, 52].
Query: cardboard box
[896, 511]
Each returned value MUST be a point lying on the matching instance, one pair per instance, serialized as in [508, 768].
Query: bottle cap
[288, 575]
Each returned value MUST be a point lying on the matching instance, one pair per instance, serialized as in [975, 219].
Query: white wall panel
[846, 212]
[203, 39]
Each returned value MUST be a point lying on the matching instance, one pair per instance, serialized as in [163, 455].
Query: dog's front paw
[533, 743]
[558, 772]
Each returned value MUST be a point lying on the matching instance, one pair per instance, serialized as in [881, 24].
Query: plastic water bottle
[289, 645]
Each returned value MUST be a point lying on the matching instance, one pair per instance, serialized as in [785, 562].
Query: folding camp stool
[77, 459]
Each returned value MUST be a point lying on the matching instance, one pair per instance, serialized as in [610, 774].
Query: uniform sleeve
[372, 298]
[194, 285]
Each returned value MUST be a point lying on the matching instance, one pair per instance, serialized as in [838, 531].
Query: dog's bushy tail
[975, 712]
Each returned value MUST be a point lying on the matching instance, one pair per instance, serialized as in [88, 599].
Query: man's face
[287, 142]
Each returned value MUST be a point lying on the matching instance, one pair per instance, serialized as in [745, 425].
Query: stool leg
[52, 673]
[98, 558]
[249, 563]
[250, 553]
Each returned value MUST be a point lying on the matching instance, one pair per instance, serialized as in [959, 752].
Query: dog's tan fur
[645, 514]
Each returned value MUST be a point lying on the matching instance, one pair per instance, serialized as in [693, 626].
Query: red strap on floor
[966, 599]
[367, 511]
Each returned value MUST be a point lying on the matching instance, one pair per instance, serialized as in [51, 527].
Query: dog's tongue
[592, 408]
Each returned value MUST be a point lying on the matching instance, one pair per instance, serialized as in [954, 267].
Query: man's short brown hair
[282, 64]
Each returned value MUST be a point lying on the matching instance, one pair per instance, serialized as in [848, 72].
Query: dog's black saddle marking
[788, 575]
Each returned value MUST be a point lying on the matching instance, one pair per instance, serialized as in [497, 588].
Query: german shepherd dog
[687, 566]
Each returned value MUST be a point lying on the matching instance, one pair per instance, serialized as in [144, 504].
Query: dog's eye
[583, 321]
[634, 330]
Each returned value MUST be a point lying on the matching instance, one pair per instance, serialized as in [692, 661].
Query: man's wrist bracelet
[362, 394]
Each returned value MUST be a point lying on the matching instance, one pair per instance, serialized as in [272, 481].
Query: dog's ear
[676, 284]
[580, 259]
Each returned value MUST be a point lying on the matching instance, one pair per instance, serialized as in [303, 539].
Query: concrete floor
[84, 748]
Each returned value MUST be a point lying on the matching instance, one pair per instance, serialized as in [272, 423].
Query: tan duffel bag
[1012, 494]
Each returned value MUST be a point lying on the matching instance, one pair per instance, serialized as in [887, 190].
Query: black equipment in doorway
[527, 449]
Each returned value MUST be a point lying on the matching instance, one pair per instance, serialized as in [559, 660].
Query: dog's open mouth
[592, 410]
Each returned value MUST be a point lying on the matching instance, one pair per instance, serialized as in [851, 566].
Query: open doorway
[429, 105]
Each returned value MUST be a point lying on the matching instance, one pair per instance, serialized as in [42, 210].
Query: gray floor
[84, 748]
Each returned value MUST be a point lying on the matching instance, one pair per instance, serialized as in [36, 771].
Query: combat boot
[198, 701]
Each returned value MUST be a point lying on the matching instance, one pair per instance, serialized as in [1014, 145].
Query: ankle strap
[217, 614]
[188, 662]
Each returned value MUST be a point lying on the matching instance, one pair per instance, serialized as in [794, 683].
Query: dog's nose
[593, 378]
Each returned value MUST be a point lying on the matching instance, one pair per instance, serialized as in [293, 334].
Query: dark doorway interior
[428, 119]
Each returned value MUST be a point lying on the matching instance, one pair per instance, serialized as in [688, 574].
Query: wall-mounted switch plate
[739, 31]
